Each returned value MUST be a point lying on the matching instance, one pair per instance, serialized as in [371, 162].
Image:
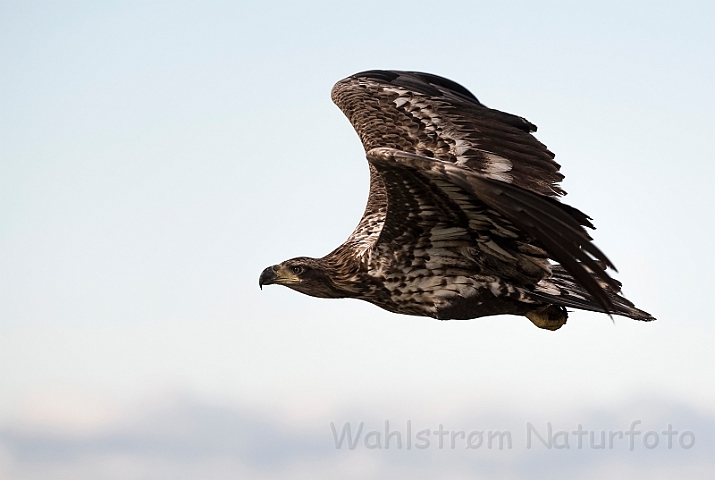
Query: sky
[155, 157]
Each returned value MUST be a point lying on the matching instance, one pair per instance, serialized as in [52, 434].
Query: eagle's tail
[562, 290]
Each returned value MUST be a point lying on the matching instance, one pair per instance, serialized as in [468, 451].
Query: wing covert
[436, 117]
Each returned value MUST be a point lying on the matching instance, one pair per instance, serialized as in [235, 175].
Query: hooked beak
[268, 276]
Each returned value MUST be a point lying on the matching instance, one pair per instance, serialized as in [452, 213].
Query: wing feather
[552, 227]
[435, 117]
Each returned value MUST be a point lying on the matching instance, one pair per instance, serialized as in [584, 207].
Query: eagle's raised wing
[436, 117]
[430, 129]
[435, 207]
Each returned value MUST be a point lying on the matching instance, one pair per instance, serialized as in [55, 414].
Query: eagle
[463, 218]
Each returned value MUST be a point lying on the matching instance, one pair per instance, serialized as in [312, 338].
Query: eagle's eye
[297, 270]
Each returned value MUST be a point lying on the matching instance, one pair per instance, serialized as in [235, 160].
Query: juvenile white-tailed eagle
[462, 220]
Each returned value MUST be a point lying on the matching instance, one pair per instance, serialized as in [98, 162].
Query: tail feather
[562, 289]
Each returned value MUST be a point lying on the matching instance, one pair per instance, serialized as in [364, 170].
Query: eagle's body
[462, 219]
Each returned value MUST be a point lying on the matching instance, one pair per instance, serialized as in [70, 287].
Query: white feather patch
[496, 165]
[492, 248]
[546, 286]
[399, 101]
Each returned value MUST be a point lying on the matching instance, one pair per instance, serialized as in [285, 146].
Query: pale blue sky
[155, 157]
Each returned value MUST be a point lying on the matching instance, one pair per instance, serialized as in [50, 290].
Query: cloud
[184, 438]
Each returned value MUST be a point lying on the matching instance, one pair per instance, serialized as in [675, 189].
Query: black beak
[268, 276]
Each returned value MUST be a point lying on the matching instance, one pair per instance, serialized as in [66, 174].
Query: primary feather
[463, 218]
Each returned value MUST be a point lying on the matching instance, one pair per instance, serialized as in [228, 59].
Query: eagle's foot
[549, 317]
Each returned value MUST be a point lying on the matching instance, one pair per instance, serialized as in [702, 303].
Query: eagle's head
[310, 276]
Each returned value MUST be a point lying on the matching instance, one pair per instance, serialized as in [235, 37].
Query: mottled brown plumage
[462, 219]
